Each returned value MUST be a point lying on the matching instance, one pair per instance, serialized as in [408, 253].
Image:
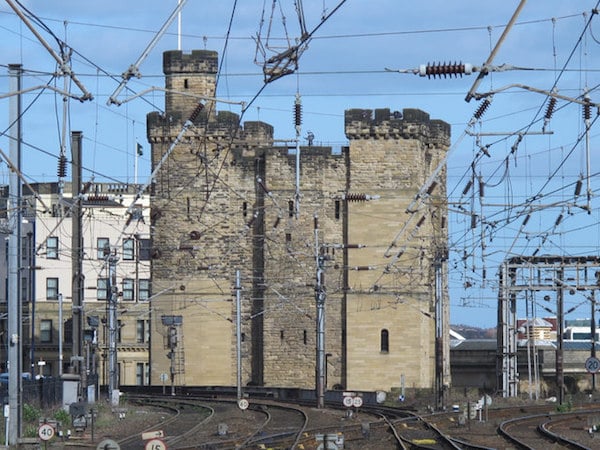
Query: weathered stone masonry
[224, 201]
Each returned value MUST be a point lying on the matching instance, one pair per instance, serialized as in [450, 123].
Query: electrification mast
[113, 292]
[320, 297]
[15, 311]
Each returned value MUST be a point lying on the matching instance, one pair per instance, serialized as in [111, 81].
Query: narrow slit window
[385, 341]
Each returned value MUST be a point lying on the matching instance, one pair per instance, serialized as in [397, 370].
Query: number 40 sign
[46, 432]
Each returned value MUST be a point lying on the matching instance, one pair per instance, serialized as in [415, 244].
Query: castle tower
[192, 232]
[223, 201]
[188, 78]
[393, 307]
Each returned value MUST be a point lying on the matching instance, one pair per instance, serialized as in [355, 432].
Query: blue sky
[343, 67]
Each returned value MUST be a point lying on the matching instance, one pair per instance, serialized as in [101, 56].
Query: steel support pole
[560, 331]
[15, 312]
[60, 335]
[298, 123]
[113, 376]
[238, 330]
[77, 285]
[593, 334]
[439, 335]
[320, 297]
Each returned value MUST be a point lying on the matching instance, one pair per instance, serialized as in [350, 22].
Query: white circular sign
[592, 364]
[155, 444]
[348, 401]
[46, 432]
[243, 404]
[357, 402]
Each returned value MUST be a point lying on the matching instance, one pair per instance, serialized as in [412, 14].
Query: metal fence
[44, 393]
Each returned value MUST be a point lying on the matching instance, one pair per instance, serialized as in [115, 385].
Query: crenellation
[196, 62]
[259, 132]
[383, 124]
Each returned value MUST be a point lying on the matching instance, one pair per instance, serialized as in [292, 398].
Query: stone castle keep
[224, 200]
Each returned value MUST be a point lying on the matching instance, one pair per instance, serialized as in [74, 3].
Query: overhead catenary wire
[61, 61]
[495, 148]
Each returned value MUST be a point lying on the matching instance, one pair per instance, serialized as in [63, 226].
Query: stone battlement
[196, 62]
[384, 124]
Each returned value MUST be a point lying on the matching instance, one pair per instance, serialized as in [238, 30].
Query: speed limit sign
[46, 432]
[592, 364]
[348, 401]
[357, 402]
[243, 404]
[155, 444]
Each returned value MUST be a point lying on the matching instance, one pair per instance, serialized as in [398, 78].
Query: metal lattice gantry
[529, 274]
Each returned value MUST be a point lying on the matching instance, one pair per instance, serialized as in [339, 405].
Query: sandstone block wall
[226, 200]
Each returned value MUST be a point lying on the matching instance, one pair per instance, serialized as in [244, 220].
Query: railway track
[269, 424]
[221, 424]
[209, 421]
[522, 427]
[183, 418]
[539, 431]
[414, 431]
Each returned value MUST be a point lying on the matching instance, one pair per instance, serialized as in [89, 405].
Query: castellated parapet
[189, 77]
[226, 126]
[384, 124]
[198, 61]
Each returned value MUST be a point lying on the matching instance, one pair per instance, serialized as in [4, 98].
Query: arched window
[385, 341]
